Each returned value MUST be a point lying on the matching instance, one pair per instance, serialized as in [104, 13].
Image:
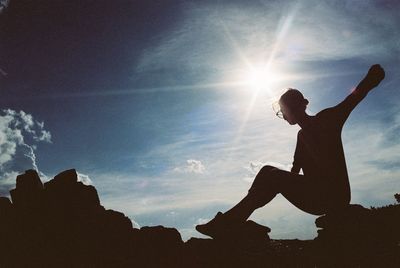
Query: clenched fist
[374, 76]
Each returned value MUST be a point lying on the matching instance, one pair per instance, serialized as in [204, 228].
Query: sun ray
[266, 66]
[234, 44]
[144, 90]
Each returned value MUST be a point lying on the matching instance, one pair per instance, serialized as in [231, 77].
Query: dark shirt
[319, 150]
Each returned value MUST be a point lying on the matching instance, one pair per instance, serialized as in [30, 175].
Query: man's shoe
[219, 227]
[254, 230]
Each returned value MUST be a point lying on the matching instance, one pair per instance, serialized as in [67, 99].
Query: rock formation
[360, 236]
[62, 223]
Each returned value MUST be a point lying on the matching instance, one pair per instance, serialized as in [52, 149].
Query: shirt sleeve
[341, 112]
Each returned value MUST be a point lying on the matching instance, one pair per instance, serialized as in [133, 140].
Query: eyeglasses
[277, 109]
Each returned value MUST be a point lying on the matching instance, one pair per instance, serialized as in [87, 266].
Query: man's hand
[374, 76]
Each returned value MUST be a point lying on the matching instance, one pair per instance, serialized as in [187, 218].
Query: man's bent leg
[262, 191]
[310, 195]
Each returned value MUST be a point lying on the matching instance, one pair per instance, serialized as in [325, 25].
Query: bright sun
[261, 77]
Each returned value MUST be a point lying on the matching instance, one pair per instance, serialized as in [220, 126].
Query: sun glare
[258, 78]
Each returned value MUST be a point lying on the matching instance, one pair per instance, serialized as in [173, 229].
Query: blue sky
[157, 105]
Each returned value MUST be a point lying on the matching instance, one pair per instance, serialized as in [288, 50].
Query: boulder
[65, 192]
[353, 222]
[29, 180]
[157, 246]
[351, 216]
[69, 228]
[5, 204]
[5, 211]
[255, 231]
[159, 236]
[28, 192]
[117, 221]
[65, 178]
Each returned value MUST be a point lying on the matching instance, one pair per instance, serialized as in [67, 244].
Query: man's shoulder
[328, 116]
[328, 113]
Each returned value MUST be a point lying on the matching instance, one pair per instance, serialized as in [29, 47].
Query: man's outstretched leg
[263, 190]
[312, 195]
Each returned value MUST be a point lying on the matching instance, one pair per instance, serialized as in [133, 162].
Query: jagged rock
[351, 216]
[5, 212]
[68, 227]
[5, 204]
[246, 246]
[118, 221]
[29, 180]
[28, 191]
[352, 222]
[65, 192]
[255, 231]
[158, 246]
[349, 235]
[159, 235]
[65, 178]
[360, 224]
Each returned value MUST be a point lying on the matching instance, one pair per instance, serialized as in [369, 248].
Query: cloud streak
[20, 135]
[319, 30]
[3, 5]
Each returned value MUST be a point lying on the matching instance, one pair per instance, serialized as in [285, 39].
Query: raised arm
[374, 76]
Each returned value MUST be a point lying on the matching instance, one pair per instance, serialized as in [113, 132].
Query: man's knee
[267, 180]
[267, 175]
[260, 198]
[266, 170]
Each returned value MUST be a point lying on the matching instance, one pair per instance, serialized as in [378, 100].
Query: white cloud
[255, 166]
[3, 5]
[201, 221]
[19, 135]
[84, 179]
[192, 166]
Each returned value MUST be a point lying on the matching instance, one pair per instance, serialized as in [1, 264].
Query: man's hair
[292, 98]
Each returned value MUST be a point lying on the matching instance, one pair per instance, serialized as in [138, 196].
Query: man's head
[292, 105]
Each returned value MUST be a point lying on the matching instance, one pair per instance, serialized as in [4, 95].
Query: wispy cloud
[3, 5]
[372, 152]
[318, 30]
[20, 134]
[192, 166]
[84, 179]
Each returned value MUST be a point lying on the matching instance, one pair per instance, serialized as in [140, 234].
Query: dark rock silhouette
[61, 223]
[357, 232]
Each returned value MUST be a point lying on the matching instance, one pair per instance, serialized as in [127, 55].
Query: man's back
[319, 151]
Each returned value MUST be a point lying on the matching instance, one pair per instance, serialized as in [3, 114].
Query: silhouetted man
[319, 153]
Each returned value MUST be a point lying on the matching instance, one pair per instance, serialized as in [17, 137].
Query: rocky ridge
[62, 223]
